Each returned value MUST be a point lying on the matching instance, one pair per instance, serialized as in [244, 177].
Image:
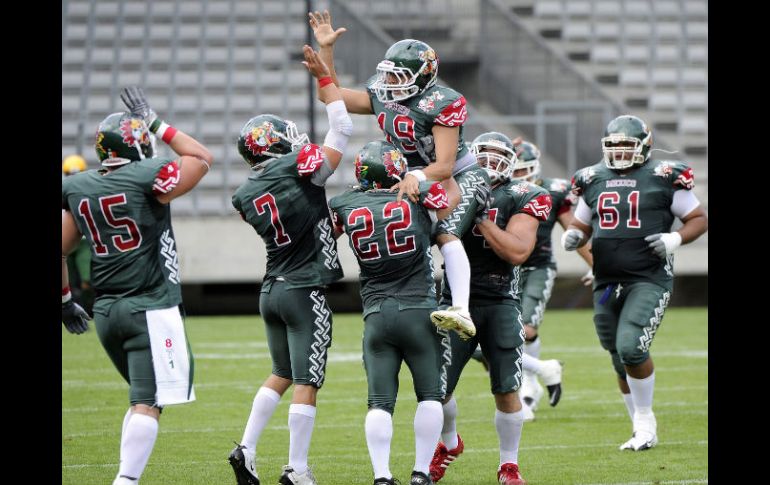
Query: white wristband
[419, 175]
[66, 297]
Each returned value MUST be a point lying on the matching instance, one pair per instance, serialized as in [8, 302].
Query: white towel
[170, 358]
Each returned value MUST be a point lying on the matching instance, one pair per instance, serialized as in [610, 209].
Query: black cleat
[419, 478]
[243, 466]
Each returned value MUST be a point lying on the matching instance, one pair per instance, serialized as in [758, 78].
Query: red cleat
[509, 475]
[443, 457]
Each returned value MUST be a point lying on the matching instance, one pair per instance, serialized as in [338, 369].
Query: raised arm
[356, 101]
[340, 124]
[194, 159]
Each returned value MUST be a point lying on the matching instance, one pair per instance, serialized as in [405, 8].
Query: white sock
[136, 445]
[125, 422]
[533, 348]
[379, 433]
[265, 402]
[427, 430]
[458, 272]
[629, 404]
[301, 420]
[509, 427]
[530, 364]
[641, 392]
[449, 430]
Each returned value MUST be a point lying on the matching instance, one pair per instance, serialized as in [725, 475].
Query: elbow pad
[340, 126]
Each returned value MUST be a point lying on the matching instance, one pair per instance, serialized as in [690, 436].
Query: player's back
[391, 241]
[290, 213]
[132, 242]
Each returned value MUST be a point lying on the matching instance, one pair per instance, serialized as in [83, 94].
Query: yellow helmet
[73, 164]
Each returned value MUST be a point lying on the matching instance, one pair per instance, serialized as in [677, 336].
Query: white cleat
[290, 477]
[529, 415]
[531, 391]
[550, 373]
[454, 318]
[645, 433]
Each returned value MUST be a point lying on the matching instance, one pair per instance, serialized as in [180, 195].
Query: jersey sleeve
[309, 159]
[578, 184]
[539, 205]
[454, 114]
[562, 198]
[433, 195]
[683, 176]
[335, 207]
[166, 179]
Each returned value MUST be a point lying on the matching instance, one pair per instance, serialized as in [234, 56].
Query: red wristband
[65, 290]
[324, 81]
[168, 134]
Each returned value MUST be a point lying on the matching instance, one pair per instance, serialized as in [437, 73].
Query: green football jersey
[492, 278]
[392, 243]
[290, 213]
[408, 121]
[561, 201]
[133, 251]
[626, 207]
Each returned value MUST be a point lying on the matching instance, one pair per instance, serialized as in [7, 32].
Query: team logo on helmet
[430, 59]
[99, 147]
[394, 163]
[361, 171]
[261, 137]
[134, 130]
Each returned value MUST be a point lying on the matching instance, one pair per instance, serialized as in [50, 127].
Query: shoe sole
[447, 321]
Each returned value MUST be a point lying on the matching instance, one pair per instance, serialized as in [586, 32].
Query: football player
[425, 121]
[537, 277]
[391, 240]
[502, 239]
[285, 201]
[627, 203]
[123, 211]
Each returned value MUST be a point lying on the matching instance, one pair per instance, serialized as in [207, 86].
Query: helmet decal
[394, 163]
[261, 137]
[134, 130]
[430, 59]
[361, 171]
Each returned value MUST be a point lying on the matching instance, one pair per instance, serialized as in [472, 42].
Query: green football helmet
[122, 138]
[494, 151]
[268, 136]
[409, 68]
[627, 142]
[379, 165]
[527, 157]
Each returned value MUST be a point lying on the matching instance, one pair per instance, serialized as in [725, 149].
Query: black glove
[73, 316]
[136, 102]
[484, 199]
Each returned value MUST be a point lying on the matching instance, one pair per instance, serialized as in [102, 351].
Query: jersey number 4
[609, 216]
[401, 216]
[121, 242]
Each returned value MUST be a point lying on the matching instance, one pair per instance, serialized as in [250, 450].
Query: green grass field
[573, 443]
